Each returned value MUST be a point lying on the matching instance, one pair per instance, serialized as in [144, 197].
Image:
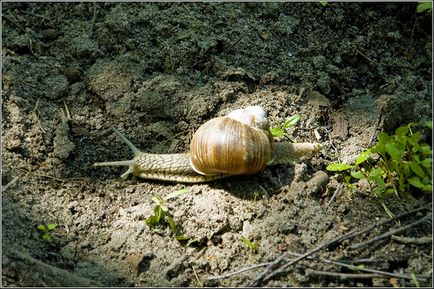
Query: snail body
[239, 143]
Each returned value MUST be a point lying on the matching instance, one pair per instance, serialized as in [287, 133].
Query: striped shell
[237, 144]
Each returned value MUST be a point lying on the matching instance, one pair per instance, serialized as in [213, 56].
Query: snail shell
[237, 144]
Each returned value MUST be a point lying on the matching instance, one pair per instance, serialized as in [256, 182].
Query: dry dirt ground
[156, 72]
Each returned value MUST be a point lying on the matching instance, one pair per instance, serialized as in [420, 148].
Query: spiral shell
[237, 144]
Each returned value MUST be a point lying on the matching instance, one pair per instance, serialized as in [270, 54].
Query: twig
[416, 241]
[427, 217]
[266, 275]
[67, 112]
[338, 190]
[352, 267]
[36, 114]
[238, 271]
[367, 58]
[197, 277]
[265, 191]
[8, 185]
[343, 275]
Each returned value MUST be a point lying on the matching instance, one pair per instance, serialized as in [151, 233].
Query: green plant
[46, 231]
[395, 164]
[279, 131]
[424, 6]
[250, 244]
[163, 218]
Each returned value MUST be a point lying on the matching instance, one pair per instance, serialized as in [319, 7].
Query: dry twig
[242, 270]
[343, 275]
[338, 190]
[426, 218]
[373, 271]
[8, 185]
[416, 241]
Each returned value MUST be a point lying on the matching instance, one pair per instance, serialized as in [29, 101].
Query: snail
[239, 143]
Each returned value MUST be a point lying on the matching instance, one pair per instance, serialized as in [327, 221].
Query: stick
[343, 275]
[416, 241]
[352, 267]
[238, 271]
[427, 217]
[8, 185]
[197, 277]
[338, 190]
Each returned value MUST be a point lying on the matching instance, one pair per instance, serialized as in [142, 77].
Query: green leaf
[249, 243]
[361, 266]
[427, 188]
[157, 217]
[394, 152]
[389, 191]
[277, 131]
[378, 148]
[158, 199]
[324, 3]
[363, 157]
[172, 225]
[407, 170]
[338, 167]
[152, 221]
[417, 169]
[164, 208]
[291, 121]
[376, 172]
[401, 131]
[191, 241]
[46, 237]
[357, 174]
[176, 194]
[379, 192]
[427, 163]
[384, 138]
[424, 6]
[415, 182]
[426, 150]
[182, 238]
[51, 226]
[375, 176]
[415, 138]
[428, 124]
[41, 227]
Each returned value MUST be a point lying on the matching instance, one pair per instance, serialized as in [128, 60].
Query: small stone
[72, 74]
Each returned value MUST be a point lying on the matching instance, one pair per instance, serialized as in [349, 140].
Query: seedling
[279, 131]
[395, 164]
[163, 218]
[249, 243]
[46, 231]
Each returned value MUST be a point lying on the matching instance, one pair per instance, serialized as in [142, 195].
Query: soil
[156, 72]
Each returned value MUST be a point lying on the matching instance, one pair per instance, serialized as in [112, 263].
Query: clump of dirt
[156, 72]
